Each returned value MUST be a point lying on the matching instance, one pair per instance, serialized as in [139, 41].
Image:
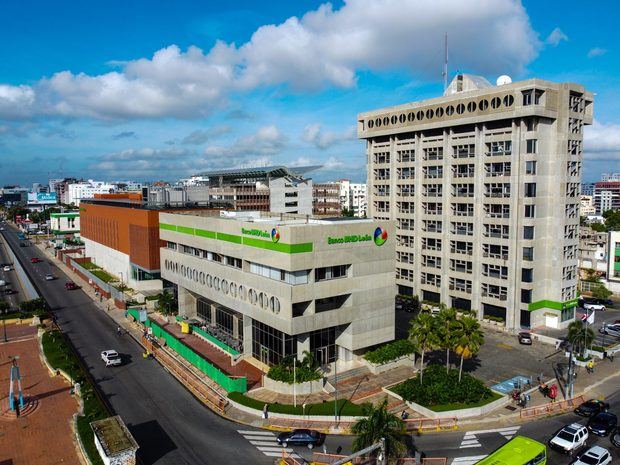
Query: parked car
[569, 439]
[301, 437]
[602, 423]
[49, 277]
[595, 455]
[525, 338]
[613, 330]
[615, 438]
[2, 282]
[591, 407]
[597, 307]
[111, 358]
[6, 268]
[70, 285]
[591, 300]
[35, 260]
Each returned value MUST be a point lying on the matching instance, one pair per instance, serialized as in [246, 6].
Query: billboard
[38, 198]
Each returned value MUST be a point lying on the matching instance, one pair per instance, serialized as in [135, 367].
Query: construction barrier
[319, 458]
[552, 408]
[431, 424]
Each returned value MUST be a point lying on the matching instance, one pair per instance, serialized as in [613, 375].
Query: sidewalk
[600, 384]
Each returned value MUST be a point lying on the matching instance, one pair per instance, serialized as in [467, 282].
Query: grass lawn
[59, 355]
[345, 407]
[89, 266]
[459, 406]
[102, 275]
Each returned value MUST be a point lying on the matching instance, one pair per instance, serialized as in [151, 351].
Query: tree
[601, 292]
[447, 326]
[424, 335]
[346, 212]
[165, 303]
[580, 336]
[591, 275]
[469, 339]
[598, 227]
[379, 423]
[612, 220]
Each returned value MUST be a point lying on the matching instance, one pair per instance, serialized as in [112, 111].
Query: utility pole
[445, 63]
[335, 388]
[295, 381]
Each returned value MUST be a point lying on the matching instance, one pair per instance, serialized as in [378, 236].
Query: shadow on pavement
[154, 442]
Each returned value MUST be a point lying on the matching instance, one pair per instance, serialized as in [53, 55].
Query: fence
[226, 348]
[431, 424]
[319, 458]
[228, 383]
[553, 407]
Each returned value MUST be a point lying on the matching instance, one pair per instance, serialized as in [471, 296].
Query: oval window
[449, 110]
[483, 105]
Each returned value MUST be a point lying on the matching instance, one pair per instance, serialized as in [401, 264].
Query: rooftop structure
[114, 442]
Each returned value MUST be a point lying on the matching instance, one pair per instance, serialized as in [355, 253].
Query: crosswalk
[265, 441]
[467, 460]
[470, 440]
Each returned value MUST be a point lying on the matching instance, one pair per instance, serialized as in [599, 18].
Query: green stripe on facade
[205, 233]
[229, 238]
[167, 227]
[64, 215]
[551, 304]
[185, 230]
[617, 251]
[616, 266]
[235, 239]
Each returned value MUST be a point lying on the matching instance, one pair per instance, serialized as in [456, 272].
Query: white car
[6, 268]
[49, 277]
[111, 357]
[569, 439]
[597, 307]
[614, 329]
[596, 455]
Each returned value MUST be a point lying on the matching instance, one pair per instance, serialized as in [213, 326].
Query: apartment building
[273, 285]
[76, 192]
[354, 197]
[606, 196]
[291, 195]
[484, 187]
[326, 199]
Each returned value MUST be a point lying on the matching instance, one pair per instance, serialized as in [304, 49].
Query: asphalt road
[16, 294]
[170, 425]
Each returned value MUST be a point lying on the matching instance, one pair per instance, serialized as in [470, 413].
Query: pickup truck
[111, 357]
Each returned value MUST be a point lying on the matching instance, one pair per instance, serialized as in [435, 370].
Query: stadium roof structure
[257, 173]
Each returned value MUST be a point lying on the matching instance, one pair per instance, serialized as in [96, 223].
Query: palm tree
[165, 303]
[580, 336]
[469, 338]
[447, 325]
[377, 424]
[423, 334]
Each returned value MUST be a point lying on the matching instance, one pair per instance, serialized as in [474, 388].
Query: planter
[309, 387]
[460, 413]
[376, 369]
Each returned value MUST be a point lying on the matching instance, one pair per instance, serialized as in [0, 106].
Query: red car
[70, 285]
[35, 260]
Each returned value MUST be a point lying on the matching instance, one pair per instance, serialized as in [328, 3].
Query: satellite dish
[503, 80]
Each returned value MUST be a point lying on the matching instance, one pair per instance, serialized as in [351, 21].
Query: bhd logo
[275, 235]
[381, 236]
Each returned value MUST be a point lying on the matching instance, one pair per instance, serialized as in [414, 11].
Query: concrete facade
[484, 187]
[290, 195]
[354, 197]
[65, 223]
[317, 285]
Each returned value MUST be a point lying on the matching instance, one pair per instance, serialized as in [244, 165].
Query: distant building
[587, 188]
[65, 223]
[593, 250]
[606, 196]
[326, 199]
[77, 192]
[354, 197]
[291, 195]
[610, 177]
[586, 206]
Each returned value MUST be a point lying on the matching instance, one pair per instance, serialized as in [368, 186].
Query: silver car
[613, 330]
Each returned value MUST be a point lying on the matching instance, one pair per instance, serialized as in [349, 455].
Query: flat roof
[114, 436]
[276, 219]
[263, 171]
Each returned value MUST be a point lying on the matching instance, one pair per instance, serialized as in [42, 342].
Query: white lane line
[467, 460]
[259, 438]
[470, 446]
[498, 430]
[264, 443]
[273, 449]
[469, 441]
[255, 432]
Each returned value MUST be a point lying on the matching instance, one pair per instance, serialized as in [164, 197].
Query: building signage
[256, 232]
[41, 198]
[379, 237]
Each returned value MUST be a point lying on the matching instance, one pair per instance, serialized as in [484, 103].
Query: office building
[277, 284]
[610, 177]
[587, 188]
[484, 187]
[76, 192]
[326, 199]
[354, 197]
[291, 195]
[65, 223]
[606, 196]
[586, 206]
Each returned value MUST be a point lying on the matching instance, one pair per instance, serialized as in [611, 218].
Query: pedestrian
[266, 411]
[324, 449]
[118, 330]
[404, 415]
[590, 366]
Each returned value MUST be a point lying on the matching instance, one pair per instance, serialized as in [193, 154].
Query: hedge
[390, 351]
[345, 408]
[284, 373]
[441, 388]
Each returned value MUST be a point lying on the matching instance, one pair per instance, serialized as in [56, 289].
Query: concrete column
[235, 321]
[187, 303]
[213, 314]
[247, 334]
[303, 344]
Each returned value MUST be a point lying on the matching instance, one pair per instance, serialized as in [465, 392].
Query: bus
[518, 451]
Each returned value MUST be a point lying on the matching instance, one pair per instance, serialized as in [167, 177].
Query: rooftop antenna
[445, 63]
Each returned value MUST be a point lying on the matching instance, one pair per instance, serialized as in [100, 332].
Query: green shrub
[441, 388]
[284, 373]
[390, 351]
[582, 359]
[345, 407]
[499, 319]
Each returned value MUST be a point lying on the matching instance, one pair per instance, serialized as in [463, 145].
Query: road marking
[265, 442]
[467, 460]
[263, 433]
[470, 439]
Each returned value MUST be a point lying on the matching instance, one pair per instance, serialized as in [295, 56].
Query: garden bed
[60, 356]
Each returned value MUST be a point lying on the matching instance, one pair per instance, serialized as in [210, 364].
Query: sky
[158, 90]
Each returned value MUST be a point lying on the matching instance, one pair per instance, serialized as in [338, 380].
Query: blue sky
[158, 90]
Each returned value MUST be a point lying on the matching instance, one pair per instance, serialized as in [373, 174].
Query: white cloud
[596, 52]
[268, 140]
[602, 141]
[556, 37]
[200, 136]
[314, 134]
[323, 48]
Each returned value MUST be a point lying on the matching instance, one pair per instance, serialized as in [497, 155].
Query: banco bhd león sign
[256, 232]
[380, 236]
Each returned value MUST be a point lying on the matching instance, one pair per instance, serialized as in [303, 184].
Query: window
[527, 275]
[171, 245]
[528, 232]
[530, 211]
[526, 296]
[530, 167]
[528, 253]
[330, 303]
[527, 97]
[331, 272]
[531, 146]
[531, 124]
[530, 189]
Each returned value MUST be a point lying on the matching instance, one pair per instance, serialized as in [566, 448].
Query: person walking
[590, 366]
[118, 331]
[265, 411]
